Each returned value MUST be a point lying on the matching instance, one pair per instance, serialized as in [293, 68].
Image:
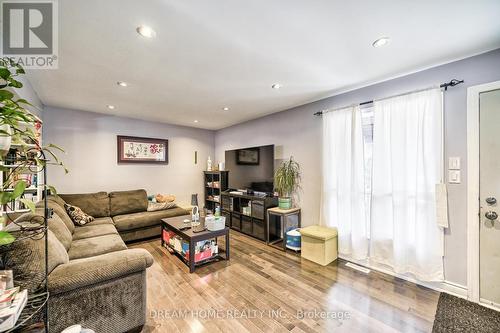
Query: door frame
[473, 206]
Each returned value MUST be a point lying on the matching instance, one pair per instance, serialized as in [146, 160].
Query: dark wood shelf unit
[211, 179]
[254, 224]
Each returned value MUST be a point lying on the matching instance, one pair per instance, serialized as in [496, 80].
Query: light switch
[454, 176]
[454, 163]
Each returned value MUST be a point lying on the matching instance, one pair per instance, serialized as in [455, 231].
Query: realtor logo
[29, 33]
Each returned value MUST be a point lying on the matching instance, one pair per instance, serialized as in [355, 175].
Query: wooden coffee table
[176, 225]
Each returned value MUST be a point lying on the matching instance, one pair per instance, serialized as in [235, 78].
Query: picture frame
[134, 150]
[248, 156]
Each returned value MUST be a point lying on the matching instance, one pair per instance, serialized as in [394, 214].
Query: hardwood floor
[262, 289]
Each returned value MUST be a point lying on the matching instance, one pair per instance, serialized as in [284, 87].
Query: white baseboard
[489, 304]
[358, 267]
[452, 288]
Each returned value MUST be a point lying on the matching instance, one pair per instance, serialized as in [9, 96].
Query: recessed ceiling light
[111, 107]
[122, 84]
[196, 121]
[225, 108]
[381, 42]
[146, 31]
[276, 86]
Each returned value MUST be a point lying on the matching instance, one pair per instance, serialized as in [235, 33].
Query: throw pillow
[77, 215]
[165, 198]
[154, 206]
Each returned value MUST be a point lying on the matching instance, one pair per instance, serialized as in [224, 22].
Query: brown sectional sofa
[94, 280]
[127, 209]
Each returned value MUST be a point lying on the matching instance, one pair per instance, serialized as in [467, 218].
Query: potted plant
[286, 182]
[19, 127]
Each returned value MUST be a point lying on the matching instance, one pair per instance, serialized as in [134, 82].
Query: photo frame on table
[248, 156]
[133, 149]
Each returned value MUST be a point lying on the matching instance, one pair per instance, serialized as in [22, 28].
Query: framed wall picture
[132, 149]
[248, 156]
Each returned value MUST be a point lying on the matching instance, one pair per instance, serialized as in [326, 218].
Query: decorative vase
[5, 140]
[209, 164]
[285, 202]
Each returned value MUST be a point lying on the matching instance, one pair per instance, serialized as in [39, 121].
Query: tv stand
[252, 222]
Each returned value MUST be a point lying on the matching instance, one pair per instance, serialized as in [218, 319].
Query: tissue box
[215, 223]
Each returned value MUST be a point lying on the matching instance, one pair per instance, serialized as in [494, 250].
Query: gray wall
[297, 132]
[28, 93]
[90, 142]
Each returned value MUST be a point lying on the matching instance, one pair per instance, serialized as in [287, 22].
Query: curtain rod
[445, 85]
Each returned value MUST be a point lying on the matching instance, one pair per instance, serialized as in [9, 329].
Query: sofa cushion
[77, 215]
[93, 230]
[57, 226]
[94, 246]
[80, 273]
[59, 211]
[126, 202]
[26, 258]
[94, 204]
[57, 199]
[102, 220]
[142, 233]
[57, 253]
[145, 219]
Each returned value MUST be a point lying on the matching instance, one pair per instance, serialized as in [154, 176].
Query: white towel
[442, 205]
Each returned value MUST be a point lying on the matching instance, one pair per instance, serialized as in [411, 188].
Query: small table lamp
[195, 211]
[194, 199]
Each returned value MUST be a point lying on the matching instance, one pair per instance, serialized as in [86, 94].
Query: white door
[489, 196]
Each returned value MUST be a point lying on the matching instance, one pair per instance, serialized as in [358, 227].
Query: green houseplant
[286, 182]
[19, 127]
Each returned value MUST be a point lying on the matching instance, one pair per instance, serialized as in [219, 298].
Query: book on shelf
[10, 314]
[28, 176]
[13, 157]
[17, 205]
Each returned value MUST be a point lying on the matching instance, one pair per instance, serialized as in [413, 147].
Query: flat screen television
[251, 168]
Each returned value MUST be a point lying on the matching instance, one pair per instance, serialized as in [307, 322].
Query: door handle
[491, 215]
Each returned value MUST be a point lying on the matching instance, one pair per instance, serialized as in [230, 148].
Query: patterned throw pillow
[77, 215]
[155, 206]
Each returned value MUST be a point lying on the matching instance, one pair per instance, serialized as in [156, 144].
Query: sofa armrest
[84, 272]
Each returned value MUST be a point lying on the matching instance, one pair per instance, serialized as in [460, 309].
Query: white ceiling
[211, 54]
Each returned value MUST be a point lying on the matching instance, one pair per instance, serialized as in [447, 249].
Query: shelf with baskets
[247, 213]
[215, 183]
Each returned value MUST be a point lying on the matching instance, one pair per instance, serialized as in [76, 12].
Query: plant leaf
[56, 147]
[23, 101]
[18, 189]
[14, 83]
[6, 238]
[52, 190]
[5, 197]
[4, 73]
[28, 203]
[5, 94]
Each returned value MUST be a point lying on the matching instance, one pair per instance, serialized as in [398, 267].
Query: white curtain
[407, 165]
[343, 180]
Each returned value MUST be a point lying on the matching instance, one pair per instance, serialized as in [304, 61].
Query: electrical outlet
[454, 176]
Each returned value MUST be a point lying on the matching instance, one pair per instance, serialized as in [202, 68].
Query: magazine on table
[10, 314]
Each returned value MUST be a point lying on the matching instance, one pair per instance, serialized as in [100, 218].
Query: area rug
[455, 314]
